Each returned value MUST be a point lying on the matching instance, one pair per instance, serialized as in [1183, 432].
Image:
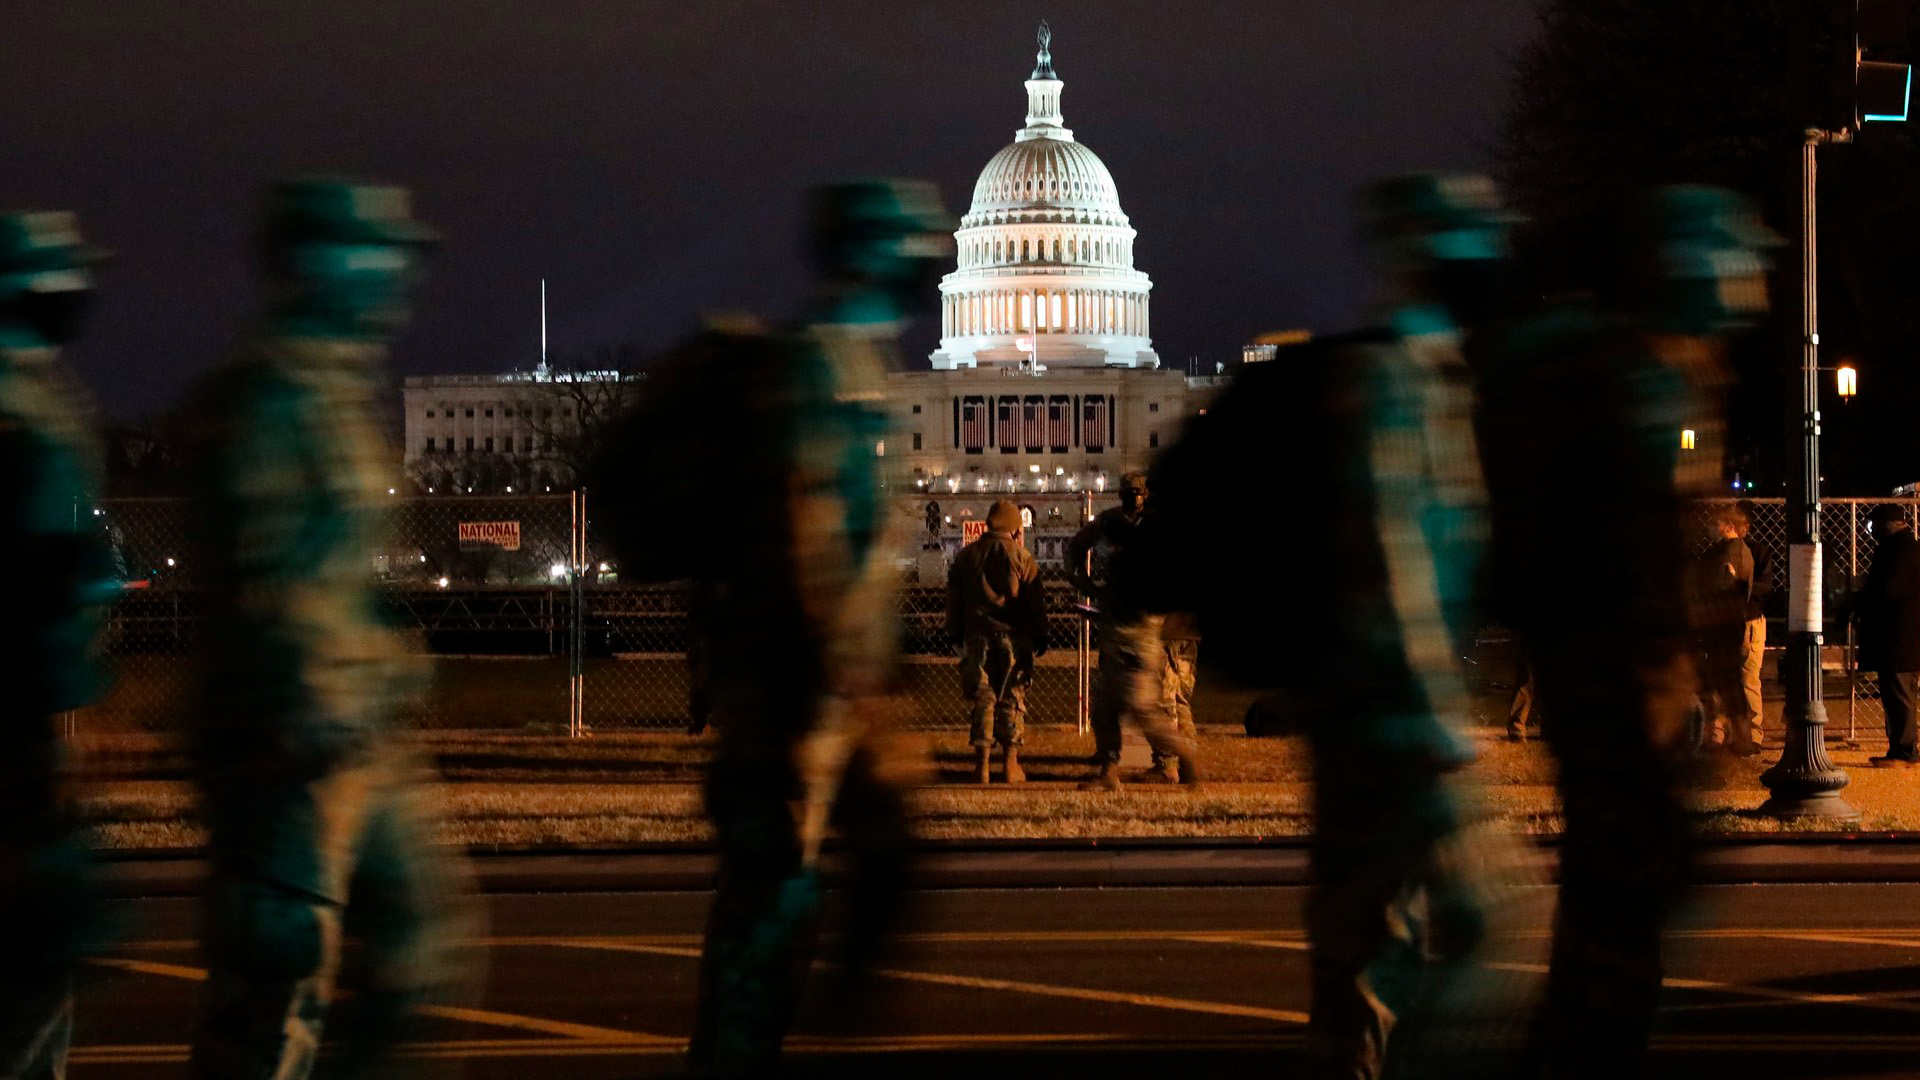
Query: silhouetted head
[345, 256]
[1133, 490]
[1444, 238]
[1696, 261]
[881, 245]
[46, 280]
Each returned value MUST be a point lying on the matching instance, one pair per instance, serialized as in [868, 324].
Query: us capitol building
[1045, 383]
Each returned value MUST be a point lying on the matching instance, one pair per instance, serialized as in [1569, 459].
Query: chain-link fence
[532, 628]
[1847, 543]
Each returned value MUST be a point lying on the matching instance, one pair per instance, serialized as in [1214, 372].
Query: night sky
[648, 158]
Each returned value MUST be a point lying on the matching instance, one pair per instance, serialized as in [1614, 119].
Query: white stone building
[517, 433]
[1046, 380]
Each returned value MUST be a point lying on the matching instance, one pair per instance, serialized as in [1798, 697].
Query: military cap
[1696, 226]
[1455, 215]
[38, 242]
[851, 216]
[332, 211]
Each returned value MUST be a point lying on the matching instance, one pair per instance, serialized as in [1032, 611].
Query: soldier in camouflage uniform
[53, 547]
[1601, 391]
[996, 605]
[1130, 685]
[316, 839]
[1357, 613]
[785, 529]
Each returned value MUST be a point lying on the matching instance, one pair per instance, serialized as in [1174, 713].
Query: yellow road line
[1151, 1001]
[562, 1028]
[1290, 944]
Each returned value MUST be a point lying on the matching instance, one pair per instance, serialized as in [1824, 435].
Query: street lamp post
[1804, 782]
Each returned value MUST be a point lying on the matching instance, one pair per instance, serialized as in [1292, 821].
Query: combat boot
[1108, 780]
[982, 764]
[1015, 774]
[1190, 771]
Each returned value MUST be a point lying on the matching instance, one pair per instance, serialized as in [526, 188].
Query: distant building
[517, 433]
[1045, 381]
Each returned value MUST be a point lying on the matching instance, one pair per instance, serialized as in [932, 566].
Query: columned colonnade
[1085, 311]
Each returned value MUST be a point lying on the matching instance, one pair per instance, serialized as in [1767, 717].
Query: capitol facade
[1045, 384]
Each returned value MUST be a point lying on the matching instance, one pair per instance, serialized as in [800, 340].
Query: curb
[1101, 864]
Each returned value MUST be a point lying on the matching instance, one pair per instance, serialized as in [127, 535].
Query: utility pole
[1863, 79]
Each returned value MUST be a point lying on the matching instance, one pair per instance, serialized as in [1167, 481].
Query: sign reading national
[972, 530]
[475, 535]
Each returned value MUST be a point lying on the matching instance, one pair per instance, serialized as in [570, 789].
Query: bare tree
[571, 407]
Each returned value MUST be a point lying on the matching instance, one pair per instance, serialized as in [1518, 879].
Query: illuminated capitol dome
[1045, 255]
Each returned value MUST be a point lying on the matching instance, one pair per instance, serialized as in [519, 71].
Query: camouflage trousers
[320, 887]
[761, 931]
[1177, 680]
[1130, 687]
[996, 667]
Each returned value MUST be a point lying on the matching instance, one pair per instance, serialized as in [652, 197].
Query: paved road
[1766, 980]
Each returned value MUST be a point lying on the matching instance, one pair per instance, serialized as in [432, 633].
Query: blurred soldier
[1599, 394]
[1888, 607]
[769, 451]
[1731, 636]
[315, 837]
[996, 605]
[1358, 616]
[61, 583]
[1130, 685]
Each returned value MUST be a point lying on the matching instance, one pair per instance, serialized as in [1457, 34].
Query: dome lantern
[1043, 95]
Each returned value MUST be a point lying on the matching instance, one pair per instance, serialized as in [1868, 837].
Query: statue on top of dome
[1043, 61]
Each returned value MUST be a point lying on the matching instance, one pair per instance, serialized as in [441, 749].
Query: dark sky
[648, 158]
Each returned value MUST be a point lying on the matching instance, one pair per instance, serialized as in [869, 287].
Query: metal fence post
[576, 634]
[1853, 571]
[1085, 716]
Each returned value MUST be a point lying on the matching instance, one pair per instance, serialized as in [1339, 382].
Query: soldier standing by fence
[52, 545]
[1130, 685]
[996, 605]
[316, 838]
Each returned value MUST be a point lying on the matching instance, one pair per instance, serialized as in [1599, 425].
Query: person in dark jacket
[996, 606]
[1129, 686]
[1889, 612]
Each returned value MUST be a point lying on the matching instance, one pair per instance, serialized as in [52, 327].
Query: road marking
[1116, 997]
[1290, 944]
[562, 1028]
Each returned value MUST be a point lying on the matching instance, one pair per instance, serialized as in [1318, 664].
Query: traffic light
[1883, 38]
